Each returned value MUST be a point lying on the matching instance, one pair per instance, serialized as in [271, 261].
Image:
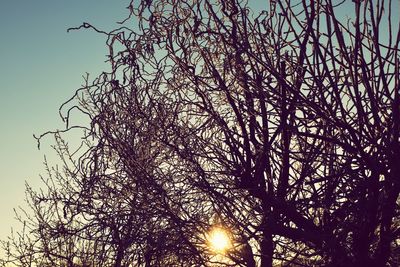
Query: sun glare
[218, 240]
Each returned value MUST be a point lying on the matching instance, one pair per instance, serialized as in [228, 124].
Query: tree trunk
[267, 246]
[267, 250]
[118, 259]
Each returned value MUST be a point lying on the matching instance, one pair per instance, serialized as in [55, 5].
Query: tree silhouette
[279, 124]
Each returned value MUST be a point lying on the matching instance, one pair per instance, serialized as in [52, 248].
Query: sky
[41, 66]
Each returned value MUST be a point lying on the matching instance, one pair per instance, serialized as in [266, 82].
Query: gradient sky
[41, 65]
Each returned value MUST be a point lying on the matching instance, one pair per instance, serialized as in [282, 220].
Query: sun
[218, 240]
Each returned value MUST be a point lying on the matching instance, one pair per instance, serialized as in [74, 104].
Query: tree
[280, 125]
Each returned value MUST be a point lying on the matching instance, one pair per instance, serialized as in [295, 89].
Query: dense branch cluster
[279, 121]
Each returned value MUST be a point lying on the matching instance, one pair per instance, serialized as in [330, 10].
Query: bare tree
[281, 124]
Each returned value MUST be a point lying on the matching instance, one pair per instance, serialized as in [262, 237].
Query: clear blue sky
[41, 65]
